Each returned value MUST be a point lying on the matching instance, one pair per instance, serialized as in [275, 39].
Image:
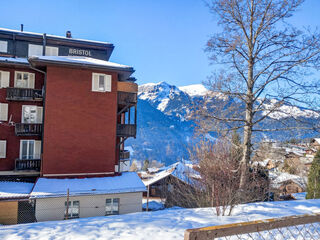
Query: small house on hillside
[58, 199]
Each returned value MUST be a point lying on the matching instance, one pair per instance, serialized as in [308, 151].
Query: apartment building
[65, 109]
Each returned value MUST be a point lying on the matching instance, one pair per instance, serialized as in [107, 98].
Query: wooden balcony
[126, 130]
[28, 129]
[27, 164]
[124, 154]
[24, 94]
[127, 98]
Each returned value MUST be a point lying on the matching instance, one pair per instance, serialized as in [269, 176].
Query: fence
[294, 227]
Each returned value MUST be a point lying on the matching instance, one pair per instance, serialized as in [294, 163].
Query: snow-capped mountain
[165, 130]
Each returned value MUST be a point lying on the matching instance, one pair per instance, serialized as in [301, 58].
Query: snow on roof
[54, 36]
[15, 189]
[49, 187]
[277, 179]
[14, 60]
[160, 175]
[194, 90]
[317, 140]
[82, 60]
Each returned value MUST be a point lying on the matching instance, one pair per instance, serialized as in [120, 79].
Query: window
[52, 51]
[101, 82]
[31, 114]
[73, 209]
[3, 147]
[4, 46]
[4, 79]
[30, 149]
[35, 50]
[3, 111]
[112, 206]
[24, 80]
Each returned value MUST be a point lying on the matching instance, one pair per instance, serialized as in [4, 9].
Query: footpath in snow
[164, 224]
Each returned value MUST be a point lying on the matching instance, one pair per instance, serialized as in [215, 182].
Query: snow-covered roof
[53, 36]
[82, 61]
[160, 175]
[317, 140]
[51, 187]
[9, 190]
[14, 60]
[277, 179]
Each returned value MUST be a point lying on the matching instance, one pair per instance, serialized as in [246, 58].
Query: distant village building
[65, 111]
[315, 143]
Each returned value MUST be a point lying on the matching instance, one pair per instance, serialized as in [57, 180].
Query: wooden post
[67, 210]
[147, 209]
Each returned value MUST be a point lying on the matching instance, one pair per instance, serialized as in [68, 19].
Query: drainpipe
[44, 44]
[43, 112]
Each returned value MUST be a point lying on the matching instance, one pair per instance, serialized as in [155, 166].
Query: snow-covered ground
[164, 224]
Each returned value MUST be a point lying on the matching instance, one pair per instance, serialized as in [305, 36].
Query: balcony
[124, 154]
[28, 129]
[27, 164]
[126, 130]
[127, 98]
[24, 94]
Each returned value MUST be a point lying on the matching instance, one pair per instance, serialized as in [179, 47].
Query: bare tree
[264, 61]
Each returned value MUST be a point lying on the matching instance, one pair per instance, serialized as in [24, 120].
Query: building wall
[50, 209]
[8, 212]
[15, 110]
[80, 125]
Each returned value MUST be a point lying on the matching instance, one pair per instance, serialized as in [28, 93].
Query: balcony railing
[28, 129]
[28, 164]
[24, 94]
[126, 130]
[125, 98]
[124, 154]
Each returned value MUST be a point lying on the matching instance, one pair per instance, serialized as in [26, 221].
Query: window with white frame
[31, 114]
[101, 82]
[3, 148]
[72, 210]
[4, 46]
[30, 149]
[24, 80]
[112, 206]
[4, 111]
[4, 79]
[52, 51]
[35, 50]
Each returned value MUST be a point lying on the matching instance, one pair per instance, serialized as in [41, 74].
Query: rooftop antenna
[21, 27]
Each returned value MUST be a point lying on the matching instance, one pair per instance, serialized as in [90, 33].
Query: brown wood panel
[8, 212]
[127, 87]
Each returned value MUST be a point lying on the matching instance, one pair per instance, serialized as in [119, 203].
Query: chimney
[21, 27]
[68, 34]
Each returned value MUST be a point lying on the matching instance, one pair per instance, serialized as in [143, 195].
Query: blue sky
[163, 40]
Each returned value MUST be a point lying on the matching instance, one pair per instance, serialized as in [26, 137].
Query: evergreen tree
[314, 178]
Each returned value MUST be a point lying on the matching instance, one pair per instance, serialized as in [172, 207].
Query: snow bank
[165, 224]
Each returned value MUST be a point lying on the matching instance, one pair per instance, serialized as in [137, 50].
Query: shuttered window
[31, 114]
[3, 111]
[4, 46]
[52, 51]
[4, 79]
[35, 50]
[3, 148]
[101, 82]
[24, 80]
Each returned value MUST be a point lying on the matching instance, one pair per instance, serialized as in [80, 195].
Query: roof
[81, 61]
[317, 140]
[182, 171]
[10, 60]
[51, 187]
[33, 34]
[15, 190]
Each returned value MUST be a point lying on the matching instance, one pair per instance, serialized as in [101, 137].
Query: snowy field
[162, 225]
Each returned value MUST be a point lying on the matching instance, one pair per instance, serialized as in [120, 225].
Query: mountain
[165, 130]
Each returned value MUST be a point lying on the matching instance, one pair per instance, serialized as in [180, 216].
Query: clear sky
[163, 40]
